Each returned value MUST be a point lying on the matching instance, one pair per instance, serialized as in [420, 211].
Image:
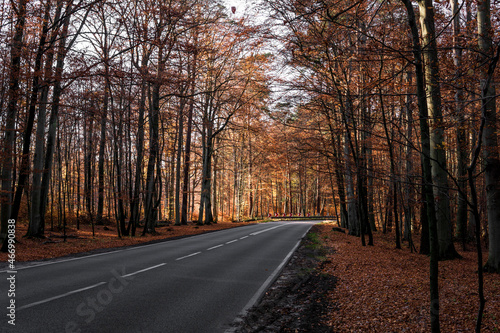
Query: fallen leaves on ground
[53, 245]
[382, 289]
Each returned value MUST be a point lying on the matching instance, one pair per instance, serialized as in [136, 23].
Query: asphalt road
[196, 284]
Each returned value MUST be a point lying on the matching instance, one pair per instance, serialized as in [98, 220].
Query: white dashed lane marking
[215, 247]
[189, 255]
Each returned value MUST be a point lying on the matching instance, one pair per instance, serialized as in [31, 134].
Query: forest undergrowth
[382, 289]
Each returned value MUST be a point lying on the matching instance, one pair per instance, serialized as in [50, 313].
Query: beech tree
[7, 165]
[488, 58]
[225, 92]
[140, 114]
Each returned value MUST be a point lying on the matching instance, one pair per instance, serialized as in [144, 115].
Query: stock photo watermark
[88, 309]
[11, 272]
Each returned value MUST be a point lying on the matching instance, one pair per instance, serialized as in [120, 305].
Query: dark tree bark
[36, 227]
[134, 206]
[54, 115]
[154, 110]
[24, 167]
[461, 135]
[10, 122]
[187, 151]
[438, 154]
[394, 181]
[426, 163]
[490, 135]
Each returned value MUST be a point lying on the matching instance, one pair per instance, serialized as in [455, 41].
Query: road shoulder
[296, 300]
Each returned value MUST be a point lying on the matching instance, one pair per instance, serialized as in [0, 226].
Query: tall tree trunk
[36, 228]
[10, 122]
[102, 144]
[461, 135]
[214, 186]
[438, 153]
[154, 109]
[134, 206]
[187, 151]
[54, 116]
[490, 134]
[88, 133]
[180, 134]
[352, 211]
[408, 191]
[205, 213]
[426, 163]
[24, 167]
[394, 181]
[344, 216]
[117, 157]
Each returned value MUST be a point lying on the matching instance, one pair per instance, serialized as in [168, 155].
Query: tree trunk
[408, 191]
[36, 228]
[102, 146]
[393, 167]
[205, 214]
[24, 167]
[7, 165]
[187, 154]
[490, 135]
[180, 134]
[438, 153]
[88, 133]
[117, 157]
[54, 116]
[134, 206]
[154, 109]
[461, 134]
[352, 211]
[427, 179]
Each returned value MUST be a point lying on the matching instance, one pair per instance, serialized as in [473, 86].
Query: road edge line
[257, 297]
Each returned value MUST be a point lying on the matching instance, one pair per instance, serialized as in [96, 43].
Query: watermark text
[11, 272]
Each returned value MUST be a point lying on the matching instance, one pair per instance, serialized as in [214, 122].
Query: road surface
[195, 284]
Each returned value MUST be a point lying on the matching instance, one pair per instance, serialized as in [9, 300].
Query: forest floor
[340, 286]
[82, 240]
